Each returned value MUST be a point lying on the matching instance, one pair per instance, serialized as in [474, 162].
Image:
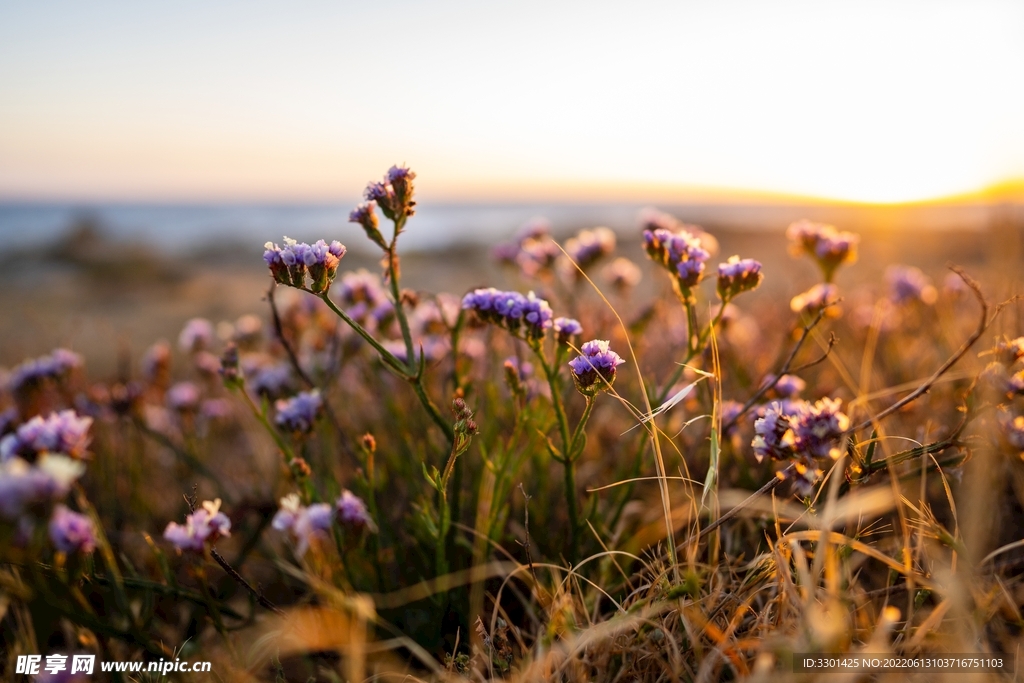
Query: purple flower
[1009, 351]
[23, 484]
[299, 413]
[787, 386]
[156, 361]
[196, 335]
[537, 255]
[736, 276]
[57, 365]
[1013, 429]
[351, 512]
[773, 437]
[527, 316]
[394, 196]
[908, 284]
[183, 397]
[289, 265]
[303, 523]
[818, 428]
[594, 370]
[270, 380]
[681, 253]
[566, 329]
[797, 428]
[366, 216]
[586, 248]
[72, 532]
[622, 274]
[819, 296]
[201, 528]
[64, 432]
[826, 245]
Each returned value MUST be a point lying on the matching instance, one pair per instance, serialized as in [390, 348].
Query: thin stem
[396, 290]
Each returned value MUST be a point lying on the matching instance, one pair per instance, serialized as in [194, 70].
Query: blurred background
[147, 153]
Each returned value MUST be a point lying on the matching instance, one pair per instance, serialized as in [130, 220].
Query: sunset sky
[306, 101]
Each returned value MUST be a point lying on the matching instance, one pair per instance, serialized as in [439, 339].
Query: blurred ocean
[183, 228]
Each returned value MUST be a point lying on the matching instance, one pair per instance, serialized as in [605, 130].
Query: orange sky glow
[868, 102]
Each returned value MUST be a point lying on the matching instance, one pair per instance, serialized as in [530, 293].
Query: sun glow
[866, 102]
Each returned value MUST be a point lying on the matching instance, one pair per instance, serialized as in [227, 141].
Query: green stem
[396, 292]
[389, 359]
[574, 516]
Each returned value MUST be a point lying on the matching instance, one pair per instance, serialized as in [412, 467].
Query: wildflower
[64, 432]
[826, 245]
[271, 381]
[394, 196]
[290, 264]
[521, 370]
[537, 255]
[622, 274]
[594, 370]
[72, 532]
[653, 219]
[351, 513]
[787, 386]
[183, 397]
[1008, 351]
[196, 335]
[681, 253]
[23, 484]
[366, 216]
[1003, 381]
[527, 316]
[566, 329]
[203, 527]
[1013, 429]
[303, 523]
[736, 276]
[908, 284]
[819, 427]
[820, 296]
[57, 365]
[156, 362]
[773, 437]
[586, 248]
[299, 413]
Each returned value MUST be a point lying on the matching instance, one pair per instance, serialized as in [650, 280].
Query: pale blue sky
[282, 101]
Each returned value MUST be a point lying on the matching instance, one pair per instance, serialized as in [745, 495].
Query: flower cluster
[820, 296]
[25, 485]
[1013, 430]
[586, 249]
[306, 523]
[528, 316]
[826, 245]
[908, 284]
[72, 532]
[532, 250]
[681, 253]
[290, 264]
[183, 397]
[299, 413]
[57, 364]
[361, 294]
[737, 275]
[366, 216]
[64, 432]
[787, 386]
[1009, 351]
[622, 274]
[803, 433]
[594, 370]
[394, 195]
[201, 528]
[653, 219]
[196, 335]
[566, 329]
